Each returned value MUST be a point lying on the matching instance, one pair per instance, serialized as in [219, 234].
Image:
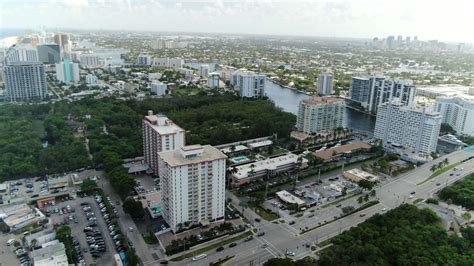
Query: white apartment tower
[320, 114]
[192, 185]
[376, 90]
[21, 53]
[144, 59]
[249, 84]
[204, 71]
[158, 88]
[411, 127]
[458, 112]
[324, 84]
[25, 81]
[160, 134]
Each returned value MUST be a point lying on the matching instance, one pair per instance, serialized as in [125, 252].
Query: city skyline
[328, 18]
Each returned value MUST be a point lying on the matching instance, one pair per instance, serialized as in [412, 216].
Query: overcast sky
[429, 19]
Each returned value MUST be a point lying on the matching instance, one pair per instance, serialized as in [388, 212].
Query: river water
[289, 101]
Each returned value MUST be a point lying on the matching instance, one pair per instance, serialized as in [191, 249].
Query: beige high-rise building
[320, 114]
[160, 134]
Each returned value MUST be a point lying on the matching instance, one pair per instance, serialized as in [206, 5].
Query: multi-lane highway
[281, 237]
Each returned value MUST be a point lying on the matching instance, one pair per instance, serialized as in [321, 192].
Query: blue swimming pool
[239, 159]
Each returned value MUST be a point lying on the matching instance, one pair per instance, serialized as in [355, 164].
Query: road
[283, 237]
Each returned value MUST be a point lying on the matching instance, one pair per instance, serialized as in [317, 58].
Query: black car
[257, 220]
[232, 245]
[220, 249]
[261, 234]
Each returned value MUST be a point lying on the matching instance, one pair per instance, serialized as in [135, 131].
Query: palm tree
[433, 168]
[372, 193]
[445, 161]
[33, 243]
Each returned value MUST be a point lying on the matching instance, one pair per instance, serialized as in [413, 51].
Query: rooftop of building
[322, 101]
[451, 139]
[450, 91]
[260, 144]
[53, 253]
[192, 154]
[289, 198]
[327, 154]
[237, 148]
[271, 163]
[162, 124]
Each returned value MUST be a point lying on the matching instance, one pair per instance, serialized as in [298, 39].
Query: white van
[200, 257]
[10, 242]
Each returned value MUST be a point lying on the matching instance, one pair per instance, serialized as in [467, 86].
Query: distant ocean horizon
[9, 32]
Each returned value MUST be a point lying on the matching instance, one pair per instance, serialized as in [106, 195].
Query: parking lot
[81, 216]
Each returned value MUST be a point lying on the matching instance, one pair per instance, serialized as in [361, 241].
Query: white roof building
[289, 198]
[54, 255]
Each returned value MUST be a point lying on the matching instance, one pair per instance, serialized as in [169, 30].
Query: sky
[443, 20]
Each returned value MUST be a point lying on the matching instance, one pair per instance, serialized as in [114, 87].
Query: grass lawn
[339, 200]
[276, 151]
[269, 216]
[211, 247]
[439, 172]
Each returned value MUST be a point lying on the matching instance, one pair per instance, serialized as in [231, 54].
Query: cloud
[342, 18]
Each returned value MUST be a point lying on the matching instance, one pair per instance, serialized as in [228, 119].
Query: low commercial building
[152, 203]
[41, 237]
[289, 198]
[347, 149]
[58, 182]
[3, 188]
[260, 144]
[234, 149]
[54, 255]
[449, 143]
[19, 216]
[356, 175]
[249, 172]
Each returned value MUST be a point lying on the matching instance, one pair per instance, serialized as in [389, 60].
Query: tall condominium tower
[458, 112]
[192, 185]
[373, 91]
[49, 53]
[411, 127]
[324, 84]
[67, 71]
[21, 53]
[248, 84]
[320, 114]
[160, 134]
[25, 81]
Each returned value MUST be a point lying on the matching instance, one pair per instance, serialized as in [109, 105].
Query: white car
[411, 197]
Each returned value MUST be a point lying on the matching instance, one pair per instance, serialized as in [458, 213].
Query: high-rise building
[49, 53]
[204, 71]
[144, 59]
[458, 112]
[25, 81]
[63, 40]
[67, 71]
[391, 42]
[91, 79]
[324, 85]
[213, 80]
[249, 84]
[373, 91]
[89, 60]
[320, 114]
[411, 127]
[175, 63]
[21, 53]
[158, 88]
[160, 134]
[158, 44]
[192, 185]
